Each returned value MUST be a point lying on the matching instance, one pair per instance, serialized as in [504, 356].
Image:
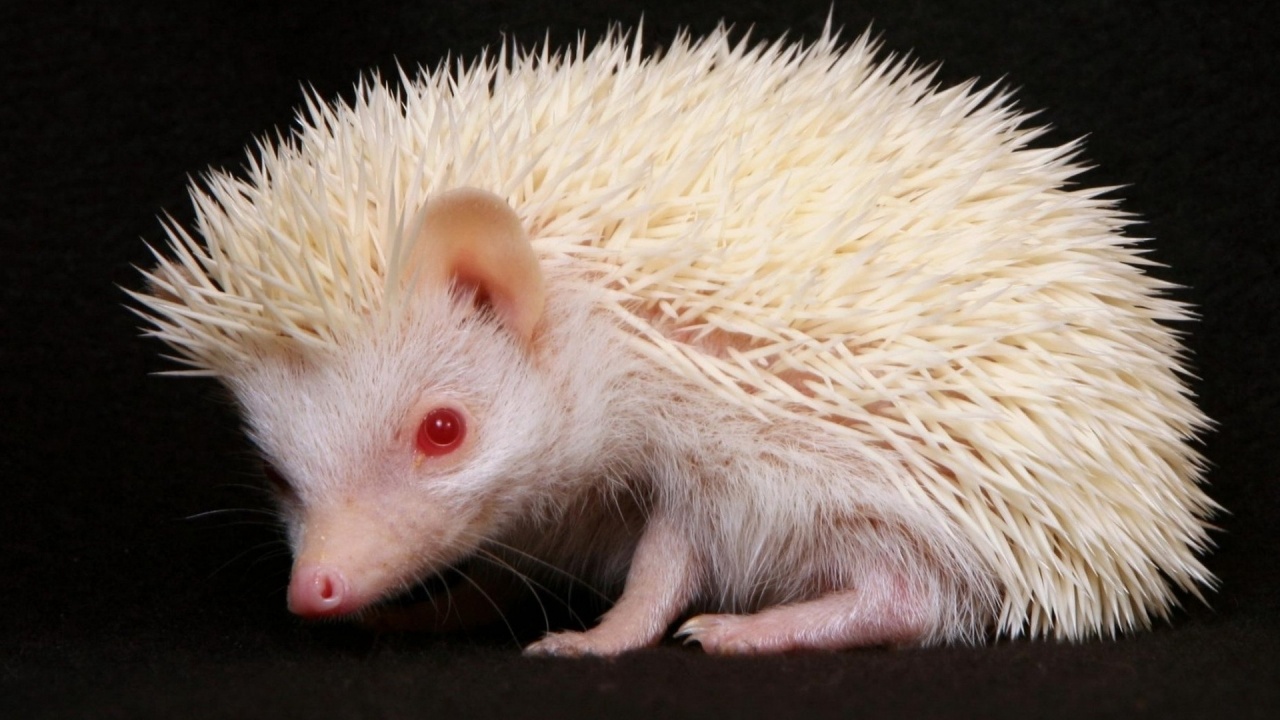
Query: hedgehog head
[395, 450]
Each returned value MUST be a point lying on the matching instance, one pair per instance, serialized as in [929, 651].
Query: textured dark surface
[118, 599]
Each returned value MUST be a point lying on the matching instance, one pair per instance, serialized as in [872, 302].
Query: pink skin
[865, 617]
[331, 574]
[350, 535]
[657, 588]
[887, 610]
[663, 581]
[659, 584]
[344, 565]
[354, 548]
[319, 591]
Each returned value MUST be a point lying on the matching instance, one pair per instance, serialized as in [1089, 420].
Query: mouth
[325, 594]
[444, 602]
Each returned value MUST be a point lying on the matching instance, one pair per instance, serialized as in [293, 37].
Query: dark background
[117, 598]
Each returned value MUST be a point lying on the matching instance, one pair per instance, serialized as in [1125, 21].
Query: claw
[694, 628]
[555, 645]
[577, 644]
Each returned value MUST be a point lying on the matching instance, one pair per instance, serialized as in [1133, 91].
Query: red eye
[441, 432]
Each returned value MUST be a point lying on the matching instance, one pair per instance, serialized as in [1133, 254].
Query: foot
[659, 584]
[579, 644]
[833, 622]
[736, 635]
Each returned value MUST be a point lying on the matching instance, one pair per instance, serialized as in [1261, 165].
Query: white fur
[843, 324]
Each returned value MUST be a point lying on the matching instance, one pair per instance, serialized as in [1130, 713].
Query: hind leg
[887, 610]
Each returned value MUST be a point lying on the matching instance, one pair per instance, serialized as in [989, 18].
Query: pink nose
[318, 591]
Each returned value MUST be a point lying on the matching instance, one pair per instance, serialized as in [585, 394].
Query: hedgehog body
[829, 340]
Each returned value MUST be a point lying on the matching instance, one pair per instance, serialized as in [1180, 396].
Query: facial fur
[340, 430]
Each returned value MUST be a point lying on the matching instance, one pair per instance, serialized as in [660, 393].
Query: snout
[320, 591]
[350, 556]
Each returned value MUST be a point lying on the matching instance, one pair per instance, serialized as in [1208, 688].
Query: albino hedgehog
[783, 335]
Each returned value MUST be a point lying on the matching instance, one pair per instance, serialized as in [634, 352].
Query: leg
[659, 585]
[884, 610]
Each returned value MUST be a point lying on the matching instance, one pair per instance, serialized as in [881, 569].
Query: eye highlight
[441, 432]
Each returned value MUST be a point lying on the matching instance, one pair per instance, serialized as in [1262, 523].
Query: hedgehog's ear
[473, 237]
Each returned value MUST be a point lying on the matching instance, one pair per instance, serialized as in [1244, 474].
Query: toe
[709, 631]
[732, 635]
[563, 644]
[577, 644]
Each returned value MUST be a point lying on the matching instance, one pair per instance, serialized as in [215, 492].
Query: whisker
[431, 595]
[574, 579]
[503, 616]
[259, 487]
[283, 551]
[240, 555]
[242, 523]
[225, 511]
[442, 583]
[528, 582]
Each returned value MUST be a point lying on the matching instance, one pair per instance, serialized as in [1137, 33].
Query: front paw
[578, 644]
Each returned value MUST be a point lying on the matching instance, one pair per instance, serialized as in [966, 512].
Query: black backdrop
[116, 601]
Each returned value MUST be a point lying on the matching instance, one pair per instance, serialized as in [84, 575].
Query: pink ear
[474, 237]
